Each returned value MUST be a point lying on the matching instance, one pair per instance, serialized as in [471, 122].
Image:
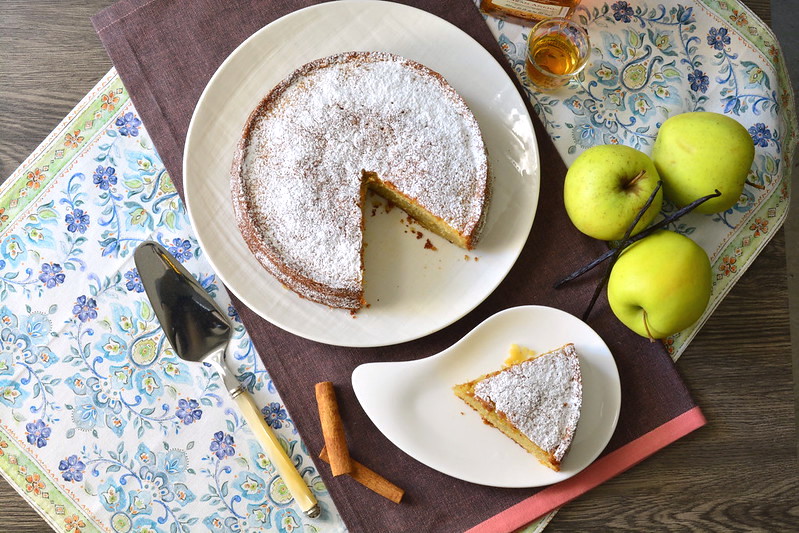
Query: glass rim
[560, 20]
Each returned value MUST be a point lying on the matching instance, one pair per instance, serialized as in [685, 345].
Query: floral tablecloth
[650, 61]
[103, 428]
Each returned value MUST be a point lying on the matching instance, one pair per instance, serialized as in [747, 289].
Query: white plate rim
[317, 335]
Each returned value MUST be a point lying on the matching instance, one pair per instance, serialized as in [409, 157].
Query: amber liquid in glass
[553, 54]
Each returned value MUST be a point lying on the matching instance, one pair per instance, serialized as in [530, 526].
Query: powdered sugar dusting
[314, 136]
[541, 397]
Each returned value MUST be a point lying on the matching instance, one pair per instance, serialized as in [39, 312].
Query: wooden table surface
[738, 472]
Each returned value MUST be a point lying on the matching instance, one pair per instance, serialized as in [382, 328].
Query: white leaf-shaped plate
[413, 405]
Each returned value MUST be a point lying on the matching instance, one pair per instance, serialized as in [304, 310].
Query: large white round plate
[412, 291]
[413, 405]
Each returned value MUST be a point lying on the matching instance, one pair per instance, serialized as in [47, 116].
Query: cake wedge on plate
[535, 402]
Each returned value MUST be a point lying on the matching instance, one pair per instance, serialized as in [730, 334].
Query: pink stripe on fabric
[597, 473]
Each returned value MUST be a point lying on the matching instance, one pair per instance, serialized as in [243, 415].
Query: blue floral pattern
[85, 308]
[718, 38]
[38, 433]
[128, 124]
[77, 220]
[142, 440]
[698, 80]
[188, 411]
[181, 249]
[275, 415]
[51, 275]
[222, 445]
[133, 282]
[72, 468]
[105, 177]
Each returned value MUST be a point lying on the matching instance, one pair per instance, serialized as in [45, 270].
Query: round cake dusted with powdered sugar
[332, 129]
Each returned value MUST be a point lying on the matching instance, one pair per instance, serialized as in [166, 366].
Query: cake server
[199, 331]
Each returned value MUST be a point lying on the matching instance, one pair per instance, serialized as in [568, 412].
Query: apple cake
[331, 130]
[534, 402]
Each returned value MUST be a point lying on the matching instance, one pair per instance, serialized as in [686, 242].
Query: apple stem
[646, 327]
[618, 249]
[635, 179]
[637, 237]
[755, 185]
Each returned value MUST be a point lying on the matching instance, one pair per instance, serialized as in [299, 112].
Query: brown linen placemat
[165, 52]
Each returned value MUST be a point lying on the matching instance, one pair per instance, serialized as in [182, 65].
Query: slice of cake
[535, 402]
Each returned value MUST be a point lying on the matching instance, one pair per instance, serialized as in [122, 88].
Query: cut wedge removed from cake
[535, 402]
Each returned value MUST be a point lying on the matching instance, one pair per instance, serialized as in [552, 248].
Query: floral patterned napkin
[650, 61]
[102, 426]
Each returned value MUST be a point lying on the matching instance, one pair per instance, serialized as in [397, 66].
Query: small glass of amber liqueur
[557, 50]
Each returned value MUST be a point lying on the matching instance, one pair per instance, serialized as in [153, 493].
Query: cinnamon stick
[370, 479]
[333, 429]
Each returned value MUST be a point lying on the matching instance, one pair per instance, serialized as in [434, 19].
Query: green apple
[699, 152]
[660, 285]
[606, 187]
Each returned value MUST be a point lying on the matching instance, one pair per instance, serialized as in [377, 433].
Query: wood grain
[737, 473]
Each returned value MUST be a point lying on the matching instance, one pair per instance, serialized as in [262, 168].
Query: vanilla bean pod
[619, 248]
[637, 237]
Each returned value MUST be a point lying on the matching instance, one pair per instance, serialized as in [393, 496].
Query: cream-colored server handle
[285, 467]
